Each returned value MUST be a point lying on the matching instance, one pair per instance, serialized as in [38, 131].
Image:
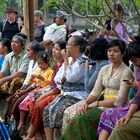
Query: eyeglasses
[71, 44]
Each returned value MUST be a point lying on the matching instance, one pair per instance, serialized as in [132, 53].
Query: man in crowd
[15, 62]
[39, 26]
[9, 26]
[56, 31]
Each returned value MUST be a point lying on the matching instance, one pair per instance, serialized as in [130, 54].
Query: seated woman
[50, 92]
[71, 79]
[14, 100]
[97, 59]
[128, 127]
[110, 83]
[39, 79]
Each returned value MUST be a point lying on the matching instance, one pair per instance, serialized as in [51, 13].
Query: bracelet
[97, 104]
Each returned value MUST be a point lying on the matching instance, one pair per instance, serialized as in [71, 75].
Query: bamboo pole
[28, 8]
[35, 4]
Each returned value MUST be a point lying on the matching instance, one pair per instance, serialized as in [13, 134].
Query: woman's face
[114, 54]
[20, 22]
[135, 61]
[118, 13]
[30, 53]
[56, 52]
[72, 48]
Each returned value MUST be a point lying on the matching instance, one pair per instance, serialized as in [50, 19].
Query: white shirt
[73, 74]
[55, 33]
[31, 69]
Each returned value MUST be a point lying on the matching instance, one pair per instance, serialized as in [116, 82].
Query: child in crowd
[41, 77]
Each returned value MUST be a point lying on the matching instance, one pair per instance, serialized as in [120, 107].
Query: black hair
[98, 49]
[62, 44]
[81, 42]
[119, 7]
[134, 48]
[108, 24]
[22, 35]
[44, 56]
[6, 42]
[121, 44]
[91, 33]
[35, 46]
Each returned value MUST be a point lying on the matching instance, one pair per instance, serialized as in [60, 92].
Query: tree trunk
[35, 4]
[28, 6]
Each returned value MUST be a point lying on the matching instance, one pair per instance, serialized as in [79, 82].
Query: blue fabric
[91, 75]
[1, 61]
[4, 132]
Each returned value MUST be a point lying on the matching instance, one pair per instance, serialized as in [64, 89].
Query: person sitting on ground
[97, 59]
[15, 62]
[48, 93]
[110, 84]
[39, 79]
[5, 48]
[128, 127]
[14, 100]
[70, 78]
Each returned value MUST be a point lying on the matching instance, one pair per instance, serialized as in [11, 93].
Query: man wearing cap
[9, 27]
[15, 62]
[38, 26]
[56, 31]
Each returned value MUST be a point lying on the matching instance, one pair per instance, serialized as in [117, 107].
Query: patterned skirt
[53, 113]
[83, 127]
[110, 117]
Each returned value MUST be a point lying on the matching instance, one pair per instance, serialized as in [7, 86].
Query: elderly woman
[110, 83]
[70, 78]
[97, 59]
[128, 127]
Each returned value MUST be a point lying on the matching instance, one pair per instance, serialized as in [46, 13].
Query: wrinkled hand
[82, 108]
[64, 54]
[122, 121]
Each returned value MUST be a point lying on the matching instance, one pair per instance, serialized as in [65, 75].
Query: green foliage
[54, 4]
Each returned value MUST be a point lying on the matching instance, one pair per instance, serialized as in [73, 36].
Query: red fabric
[37, 110]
